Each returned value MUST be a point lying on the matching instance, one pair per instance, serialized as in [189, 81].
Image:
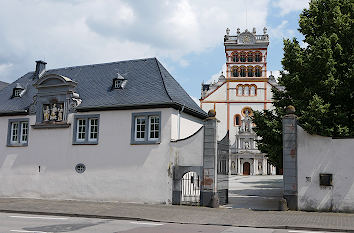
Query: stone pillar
[290, 158]
[208, 193]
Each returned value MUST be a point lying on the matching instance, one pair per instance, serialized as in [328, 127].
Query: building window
[250, 71]
[258, 71]
[243, 72]
[258, 57]
[140, 126]
[18, 132]
[17, 92]
[247, 110]
[235, 57]
[86, 129]
[250, 57]
[235, 72]
[237, 120]
[243, 57]
[253, 90]
[239, 90]
[154, 127]
[146, 128]
[93, 129]
[246, 90]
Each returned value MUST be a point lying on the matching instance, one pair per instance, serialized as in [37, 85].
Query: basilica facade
[244, 88]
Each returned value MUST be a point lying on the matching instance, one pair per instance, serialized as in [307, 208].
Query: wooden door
[246, 168]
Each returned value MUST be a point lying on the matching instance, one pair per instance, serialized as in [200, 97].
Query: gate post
[290, 157]
[209, 194]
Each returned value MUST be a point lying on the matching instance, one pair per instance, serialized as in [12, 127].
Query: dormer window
[119, 82]
[17, 92]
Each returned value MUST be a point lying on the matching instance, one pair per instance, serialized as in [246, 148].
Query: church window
[80, 168]
[250, 71]
[246, 90]
[253, 90]
[86, 129]
[237, 120]
[247, 110]
[243, 57]
[243, 71]
[258, 57]
[258, 71]
[239, 90]
[17, 132]
[235, 72]
[146, 128]
[235, 57]
[250, 57]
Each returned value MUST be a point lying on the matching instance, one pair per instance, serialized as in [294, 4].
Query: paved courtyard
[255, 192]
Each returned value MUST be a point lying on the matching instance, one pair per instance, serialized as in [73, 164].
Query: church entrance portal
[246, 168]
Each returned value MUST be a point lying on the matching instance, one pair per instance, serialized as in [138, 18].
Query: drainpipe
[179, 122]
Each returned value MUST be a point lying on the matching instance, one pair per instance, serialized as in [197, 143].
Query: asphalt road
[20, 223]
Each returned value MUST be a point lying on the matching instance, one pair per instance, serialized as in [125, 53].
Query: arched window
[237, 119]
[243, 71]
[243, 57]
[253, 90]
[258, 71]
[235, 72]
[235, 57]
[246, 90]
[239, 90]
[250, 71]
[250, 57]
[258, 57]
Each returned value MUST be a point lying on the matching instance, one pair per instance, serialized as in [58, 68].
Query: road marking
[29, 231]
[147, 223]
[306, 231]
[49, 218]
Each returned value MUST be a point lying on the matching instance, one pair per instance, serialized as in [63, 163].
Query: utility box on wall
[326, 179]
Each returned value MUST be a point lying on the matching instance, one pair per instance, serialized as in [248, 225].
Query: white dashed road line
[29, 231]
[38, 217]
[147, 223]
[306, 231]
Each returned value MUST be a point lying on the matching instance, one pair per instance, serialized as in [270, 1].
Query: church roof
[149, 85]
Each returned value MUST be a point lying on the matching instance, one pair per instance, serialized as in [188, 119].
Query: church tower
[244, 88]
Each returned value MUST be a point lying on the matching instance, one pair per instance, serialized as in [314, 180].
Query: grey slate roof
[2, 85]
[149, 84]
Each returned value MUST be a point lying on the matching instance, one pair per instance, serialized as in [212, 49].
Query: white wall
[317, 155]
[188, 125]
[115, 169]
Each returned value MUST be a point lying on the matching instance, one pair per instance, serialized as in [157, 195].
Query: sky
[186, 36]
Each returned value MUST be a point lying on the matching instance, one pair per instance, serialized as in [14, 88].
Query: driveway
[255, 192]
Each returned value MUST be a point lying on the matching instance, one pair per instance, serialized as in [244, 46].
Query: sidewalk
[183, 214]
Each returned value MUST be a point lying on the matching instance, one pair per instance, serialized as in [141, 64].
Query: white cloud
[67, 33]
[287, 6]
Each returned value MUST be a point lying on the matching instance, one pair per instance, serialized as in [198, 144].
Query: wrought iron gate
[190, 189]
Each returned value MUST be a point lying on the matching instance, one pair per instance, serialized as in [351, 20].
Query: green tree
[318, 79]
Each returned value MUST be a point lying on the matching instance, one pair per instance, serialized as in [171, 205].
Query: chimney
[40, 68]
